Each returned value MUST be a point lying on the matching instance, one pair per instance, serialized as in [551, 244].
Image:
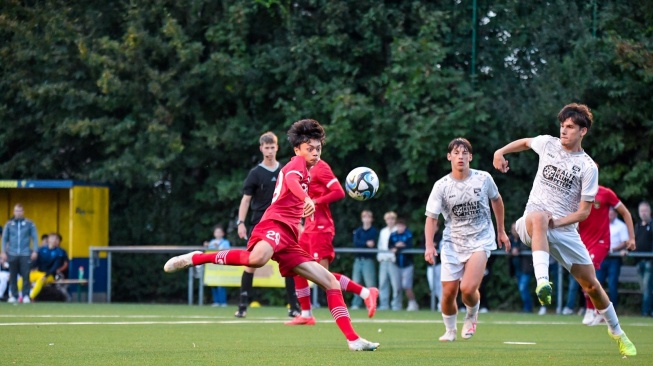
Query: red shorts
[319, 245]
[283, 240]
[598, 252]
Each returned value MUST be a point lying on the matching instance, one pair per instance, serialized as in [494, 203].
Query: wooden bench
[62, 286]
[630, 278]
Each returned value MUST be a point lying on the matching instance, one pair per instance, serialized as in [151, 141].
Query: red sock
[303, 293]
[589, 305]
[347, 285]
[340, 314]
[232, 257]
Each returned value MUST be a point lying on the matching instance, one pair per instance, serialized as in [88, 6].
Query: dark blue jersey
[50, 259]
[403, 260]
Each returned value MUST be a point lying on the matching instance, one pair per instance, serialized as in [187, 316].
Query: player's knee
[591, 288]
[538, 219]
[333, 283]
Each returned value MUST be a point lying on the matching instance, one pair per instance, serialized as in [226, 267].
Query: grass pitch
[118, 334]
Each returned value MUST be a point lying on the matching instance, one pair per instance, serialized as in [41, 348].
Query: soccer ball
[362, 183]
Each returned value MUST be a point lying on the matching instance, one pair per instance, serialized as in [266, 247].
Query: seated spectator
[51, 262]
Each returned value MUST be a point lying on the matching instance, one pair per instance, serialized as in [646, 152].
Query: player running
[276, 235]
[463, 197]
[317, 240]
[564, 188]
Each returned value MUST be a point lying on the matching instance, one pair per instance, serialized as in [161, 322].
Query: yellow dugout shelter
[78, 211]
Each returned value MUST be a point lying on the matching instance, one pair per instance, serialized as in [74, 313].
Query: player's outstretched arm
[336, 193]
[500, 163]
[499, 216]
[430, 228]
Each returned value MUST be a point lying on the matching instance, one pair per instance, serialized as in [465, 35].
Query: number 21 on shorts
[274, 236]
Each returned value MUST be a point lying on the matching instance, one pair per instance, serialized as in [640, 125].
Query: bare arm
[430, 228]
[581, 214]
[628, 219]
[242, 215]
[502, 237]
[500, 163]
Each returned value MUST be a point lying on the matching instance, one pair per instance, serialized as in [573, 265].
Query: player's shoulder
[296, 164]
[588, 163]
[480, 174]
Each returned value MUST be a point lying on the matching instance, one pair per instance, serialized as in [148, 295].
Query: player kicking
[317, 240]
[463, 197]
[564, 188]
[276, 235]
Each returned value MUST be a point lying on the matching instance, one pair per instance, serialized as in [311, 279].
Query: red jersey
[286, 207]
[595, 229]
[322, 181]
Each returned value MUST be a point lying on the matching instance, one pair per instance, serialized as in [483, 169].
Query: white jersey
[618, 233]
[466, 209]
[563, 179]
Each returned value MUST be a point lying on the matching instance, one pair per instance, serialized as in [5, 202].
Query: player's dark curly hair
[460, 141]
[305, 130]
[580, 114]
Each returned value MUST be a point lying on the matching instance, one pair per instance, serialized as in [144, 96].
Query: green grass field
[119, 334]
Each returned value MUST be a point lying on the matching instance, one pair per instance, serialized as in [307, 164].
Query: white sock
[449, 321]
[307, 313]
[472, 310]
[610, 316]
[541, 266]
[365, 293]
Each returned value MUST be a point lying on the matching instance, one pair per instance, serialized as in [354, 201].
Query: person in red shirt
[276, 236]
[317, 240]
[595, 234]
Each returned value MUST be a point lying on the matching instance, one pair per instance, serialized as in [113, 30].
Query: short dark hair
[305, 130]
[580, 115]
[459, 141]
[57, 235]
[401, 221]
[44, 236]
[218, 226]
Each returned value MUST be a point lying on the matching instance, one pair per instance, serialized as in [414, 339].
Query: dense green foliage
[165, 100]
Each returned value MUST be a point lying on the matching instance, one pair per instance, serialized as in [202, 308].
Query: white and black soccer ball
[362, 183]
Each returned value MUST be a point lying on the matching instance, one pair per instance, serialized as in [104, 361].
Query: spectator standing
[388, 270]
[364, 270]
[644, 244]
[218, 242]
[611, 265]
[19, 244]
[400, 240]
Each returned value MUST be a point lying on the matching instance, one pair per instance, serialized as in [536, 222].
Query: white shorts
[453, 263]
[565, 245]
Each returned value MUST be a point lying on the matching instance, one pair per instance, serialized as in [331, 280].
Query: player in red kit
[595, 234]
[317, 240]
[276, 236]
